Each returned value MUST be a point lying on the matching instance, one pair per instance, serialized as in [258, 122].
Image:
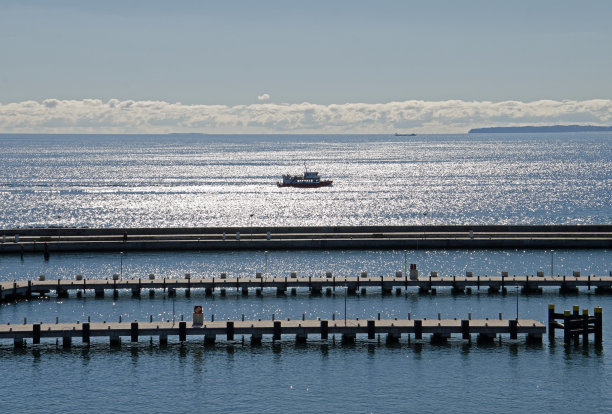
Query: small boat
[310, 179]
[405, 135]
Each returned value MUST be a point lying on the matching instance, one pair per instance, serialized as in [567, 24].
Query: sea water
[177, 180]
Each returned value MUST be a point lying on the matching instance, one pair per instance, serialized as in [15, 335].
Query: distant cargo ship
[310, 179]
[405, 135]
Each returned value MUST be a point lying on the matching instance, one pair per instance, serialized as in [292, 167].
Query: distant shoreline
[551, 128]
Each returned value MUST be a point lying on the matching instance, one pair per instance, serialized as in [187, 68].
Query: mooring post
[276, 333]
[85, 332]
[551, 322]
[182, 331]
[324, 329]
[229, 328]
[585, 326]
[576, 324]
[465, 328]
[598, 325]
[134, 331]
[418, 329]
[36, 333]
[513, 326]
[371, 329]
[566, 327]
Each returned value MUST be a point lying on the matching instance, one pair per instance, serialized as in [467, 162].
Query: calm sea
[199, 180]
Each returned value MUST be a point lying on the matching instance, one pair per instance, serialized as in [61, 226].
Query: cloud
[263, 97]
[130, 116]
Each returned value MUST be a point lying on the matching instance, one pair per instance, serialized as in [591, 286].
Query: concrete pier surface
[14, 290]
[60, 239]
[440, 330]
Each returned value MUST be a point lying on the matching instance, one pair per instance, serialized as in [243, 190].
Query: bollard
[79, 277]
[41, 278]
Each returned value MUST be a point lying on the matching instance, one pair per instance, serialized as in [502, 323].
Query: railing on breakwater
[50, 240]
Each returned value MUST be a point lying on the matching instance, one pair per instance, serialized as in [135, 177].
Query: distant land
[551, 128]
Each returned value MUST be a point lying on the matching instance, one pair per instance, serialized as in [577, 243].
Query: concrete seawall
[29, 240]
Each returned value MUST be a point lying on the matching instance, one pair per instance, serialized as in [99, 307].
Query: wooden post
[585, 326]
[182, 331]
[85, 332]
[134, 331]
[230, 330]
[576, 324]
[324, 329]
[598, 325]
[418, 329]
[36, 333]
[513, 325]
[551, 322]
[566, 327]
[276, 334]
[465, 328]
[371, 329]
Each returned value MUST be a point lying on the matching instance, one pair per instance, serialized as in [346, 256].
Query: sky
[302, 67]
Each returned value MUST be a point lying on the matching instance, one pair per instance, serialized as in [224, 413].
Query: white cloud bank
[115, 116]
[263, 97]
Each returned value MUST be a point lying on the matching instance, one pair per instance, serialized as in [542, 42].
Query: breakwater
[315, 285]
[49, 240]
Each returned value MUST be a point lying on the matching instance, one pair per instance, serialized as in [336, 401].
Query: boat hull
[325, 183]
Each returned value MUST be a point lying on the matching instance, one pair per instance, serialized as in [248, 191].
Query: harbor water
[197, 180]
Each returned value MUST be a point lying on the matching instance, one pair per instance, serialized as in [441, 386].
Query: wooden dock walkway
[52, 240]
[315, 285]
[440, 330]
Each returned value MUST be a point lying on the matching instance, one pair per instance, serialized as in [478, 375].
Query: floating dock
[440, 330]
[51, 240]
[316, 285]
